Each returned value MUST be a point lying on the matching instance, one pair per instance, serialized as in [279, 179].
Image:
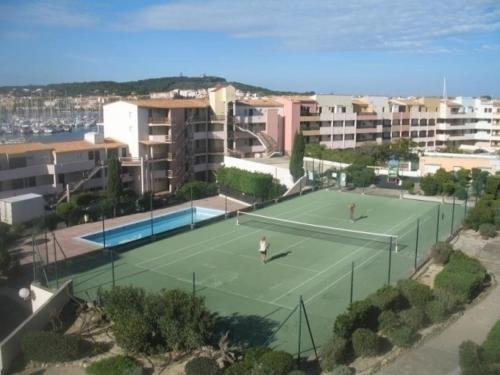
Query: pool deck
[72, 246]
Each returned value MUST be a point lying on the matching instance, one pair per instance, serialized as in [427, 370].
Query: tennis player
[352, 210]
[263, 246]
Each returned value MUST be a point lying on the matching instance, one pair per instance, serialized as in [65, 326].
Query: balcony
[23, 172]
[159, 121]
[76, 166]
[218, 118]
[160, 138]
[126, 177]
[310, 117]
[130, 162]
[312, 132]
[170, 173]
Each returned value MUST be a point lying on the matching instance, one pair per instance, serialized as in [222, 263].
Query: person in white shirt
[263, 246]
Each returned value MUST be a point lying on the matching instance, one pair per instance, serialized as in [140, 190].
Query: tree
[297, 157]
[114, 186]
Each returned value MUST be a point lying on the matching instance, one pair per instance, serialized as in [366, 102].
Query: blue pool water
[141, 229]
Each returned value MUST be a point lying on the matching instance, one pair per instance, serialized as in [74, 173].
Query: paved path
[439, 355]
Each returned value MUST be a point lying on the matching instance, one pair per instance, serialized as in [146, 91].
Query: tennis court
[311, 261]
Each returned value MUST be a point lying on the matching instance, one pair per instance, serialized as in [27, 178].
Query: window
[91, 155]
[349, 137]
[124, 152]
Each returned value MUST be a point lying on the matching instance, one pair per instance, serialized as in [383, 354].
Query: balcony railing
[163, 138]
[159, 121]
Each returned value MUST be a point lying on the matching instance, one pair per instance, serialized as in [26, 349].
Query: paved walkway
[439, 355]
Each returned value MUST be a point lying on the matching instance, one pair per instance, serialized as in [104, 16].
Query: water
[141, 229]
[75, 135]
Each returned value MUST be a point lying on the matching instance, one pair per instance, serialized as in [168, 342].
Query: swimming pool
[143, 228]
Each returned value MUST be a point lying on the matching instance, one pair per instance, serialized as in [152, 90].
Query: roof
[84, 145]
[170, 103]
[450, 103]
[406, 102]
[361, 102]
[21, 148]
[297, 98]
[263, 102]
[23, 197]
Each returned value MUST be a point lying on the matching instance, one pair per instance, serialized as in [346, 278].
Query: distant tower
[445, 93]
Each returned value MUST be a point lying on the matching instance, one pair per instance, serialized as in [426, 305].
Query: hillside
[141, 87]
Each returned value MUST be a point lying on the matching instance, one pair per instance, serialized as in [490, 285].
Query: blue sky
[391, 47]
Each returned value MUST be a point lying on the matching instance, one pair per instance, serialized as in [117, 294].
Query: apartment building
[54, 168]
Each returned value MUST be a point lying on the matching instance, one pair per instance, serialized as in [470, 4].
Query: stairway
[80, 183]
[265, 140]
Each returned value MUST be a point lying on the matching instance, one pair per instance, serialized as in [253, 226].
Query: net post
[238, 217]
[300, 331]
[452, 216]
[390, 263]
[437, 225]
[352, 283]
[416, 242]
[309, 328]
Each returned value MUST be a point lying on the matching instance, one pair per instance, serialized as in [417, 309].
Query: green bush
[120, 300]
[251, 183]
[254, 354]
[42, 346]
[470, 356]
[460, 262]
[202, 366]
[116, 365]
[441, 252]
[402, 336]
[69, 212]
[185, 323]
[200, 189]
[461, 192]
[5, 259]
[365, 343]
[388, 298]
[133, 332]
[365, 314]
[417, 294]
[448, 300]
[276, 363]
[344, 325]
[491, 346]
[334, 352]
[296, 372]
[343, 370]
[487, 230]
[388, 321]
[436, 311]
[238, 368]
[414, 318]
[429, 185]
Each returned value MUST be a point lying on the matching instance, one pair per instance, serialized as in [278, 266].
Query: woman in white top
[263, 245]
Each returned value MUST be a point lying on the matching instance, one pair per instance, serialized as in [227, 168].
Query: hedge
[200, 189]
[491, 346]
[388, 298]
[488, 230]
[403, 336]
[436, 311]
[417, 294]
[360, 314]
[42, 346]
[334, 352]
[276, 363]
[413, 318]
[202, 366]
[469, 356]
[388, 321]
[116, 365]
[252, 183]
[365, 343]
[441, 252]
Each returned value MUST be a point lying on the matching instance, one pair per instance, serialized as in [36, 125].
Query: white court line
[178, 250]
[334, 264]
[208, 248]
[217, 289]
[341, 277]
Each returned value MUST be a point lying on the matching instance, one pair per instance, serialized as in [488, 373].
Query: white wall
[121, 123]
[39, 297]
[280, 173]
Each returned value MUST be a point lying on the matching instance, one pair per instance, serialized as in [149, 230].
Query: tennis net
[381, 241]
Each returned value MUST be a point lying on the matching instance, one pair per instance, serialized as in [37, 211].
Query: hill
[141, 87]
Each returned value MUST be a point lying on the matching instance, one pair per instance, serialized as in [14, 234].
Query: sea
[75, 135]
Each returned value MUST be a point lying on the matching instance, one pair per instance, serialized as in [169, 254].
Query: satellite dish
[24, 293]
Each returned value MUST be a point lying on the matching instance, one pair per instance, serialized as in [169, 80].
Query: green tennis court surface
[257, 298]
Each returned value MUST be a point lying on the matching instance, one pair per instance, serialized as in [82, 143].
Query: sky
[384, 47]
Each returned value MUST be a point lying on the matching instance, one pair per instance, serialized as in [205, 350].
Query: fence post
[309, 328]
[192, 213]
[300, 331]
[352, 282]
[194, 284]
[33, 255]
[452, 215]
[225, 203]
[437, 225]
[55, 260]
[466, 201]
[416, 243]
[112, 268]
[151, 213]
[390, 263]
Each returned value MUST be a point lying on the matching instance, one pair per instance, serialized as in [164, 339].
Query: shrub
[185, 322]
[491, 346]
[487, 230]
[344, 325]
[116, 365]
[202, 366]
[417, 294]
[200, 189]
[133, 332]
[42, 346]
[121, 300]
[277, 363]
[388, 321]
[365, 343]
[252, 183]
[402, 336]
[334, 352]
[254, 354]
[460, 262]
[436, 311]
[414, 318]
[461, 192]
[69, 212]
[449, 301]
[429, 185]
[238, 368]
[441, 252]
[463, 285]
[296, 372]
[469, 356]
[343, 370]
[365, 314]
[388, 298]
